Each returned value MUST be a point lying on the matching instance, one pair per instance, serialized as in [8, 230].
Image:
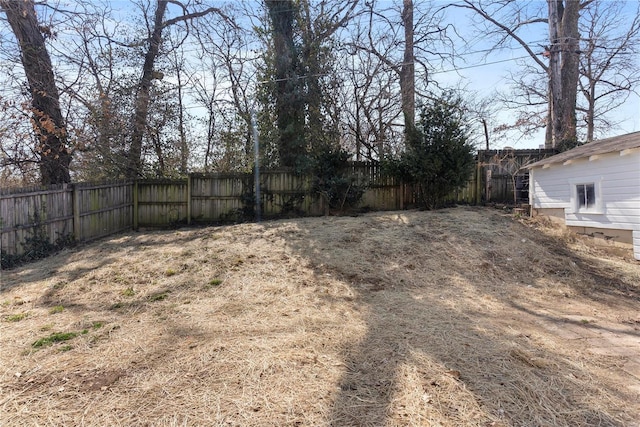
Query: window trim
[598, 207]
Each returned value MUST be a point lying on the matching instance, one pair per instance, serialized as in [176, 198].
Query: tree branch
[468, 4]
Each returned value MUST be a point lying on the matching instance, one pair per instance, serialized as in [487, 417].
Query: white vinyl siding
[548, 188]
[617, 192]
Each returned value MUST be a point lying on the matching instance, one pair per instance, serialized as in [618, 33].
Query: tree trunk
[289, 97]
[564, 69]
[548, 130]
[358, 129]
[48, 124]
[143, 98]
[407, 71]
[591, 111]
[569, 69]
[312, 70]
[555, 80]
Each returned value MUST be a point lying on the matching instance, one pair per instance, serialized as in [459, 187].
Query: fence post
[478, 185]
[189, 189]
[77, 229]
[135, 205]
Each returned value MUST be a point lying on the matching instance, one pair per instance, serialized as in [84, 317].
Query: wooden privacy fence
[87, 211]
[504, 174]
[84, 211]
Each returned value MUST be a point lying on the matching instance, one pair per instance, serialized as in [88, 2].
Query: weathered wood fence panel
[216, 197]
[43, 211]
[283, 192]
[383, 197]
[101, 209]
[499, 189]
[161, 202]
[383, 192]
[505, 172]
[467, 194]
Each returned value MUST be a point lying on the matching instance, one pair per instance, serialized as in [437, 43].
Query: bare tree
[608, 65]
[225, 60]
[589, 53]
[54, 156]
[177, 61]
[506, 22]
[564, 54]
[18, 159]
[98, 89]
[142, 99]
[405, 68]
[409, 40]
[369, 104]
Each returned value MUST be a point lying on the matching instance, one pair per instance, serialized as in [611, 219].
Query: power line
[470, 67]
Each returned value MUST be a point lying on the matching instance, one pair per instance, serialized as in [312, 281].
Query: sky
[485, 74]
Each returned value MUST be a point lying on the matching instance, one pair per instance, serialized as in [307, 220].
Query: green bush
[438, 158]
[330, 178]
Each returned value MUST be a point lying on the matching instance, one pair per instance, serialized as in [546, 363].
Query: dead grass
[457, 317]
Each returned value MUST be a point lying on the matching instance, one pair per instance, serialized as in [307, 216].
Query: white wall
[617, 178]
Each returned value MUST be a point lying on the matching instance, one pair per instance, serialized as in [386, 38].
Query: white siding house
[594, 189]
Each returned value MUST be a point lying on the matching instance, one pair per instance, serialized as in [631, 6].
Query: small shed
[594, 189]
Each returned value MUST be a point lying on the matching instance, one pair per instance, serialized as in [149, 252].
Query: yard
[459, 317]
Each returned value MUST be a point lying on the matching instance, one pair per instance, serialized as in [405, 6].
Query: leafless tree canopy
[161, 88]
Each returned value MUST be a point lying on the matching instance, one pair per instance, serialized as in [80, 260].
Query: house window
[586, 196]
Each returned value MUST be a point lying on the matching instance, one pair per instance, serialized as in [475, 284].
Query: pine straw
[403, 318]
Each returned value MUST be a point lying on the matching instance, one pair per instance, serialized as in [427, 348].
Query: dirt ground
[460, 317]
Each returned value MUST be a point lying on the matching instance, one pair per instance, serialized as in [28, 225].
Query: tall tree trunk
[564, 69]
[555, 80]
[48, 124]
[407, 71]
[312, 70]
[143, 98]
[548, 129]
[289, 96]
[569, 68]
[591, 112]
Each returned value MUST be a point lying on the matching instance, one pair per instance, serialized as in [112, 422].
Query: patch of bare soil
[460, 317]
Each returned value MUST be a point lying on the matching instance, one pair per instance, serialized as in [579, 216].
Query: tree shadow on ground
[606, 284]
[440, 346]
[438, 343]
